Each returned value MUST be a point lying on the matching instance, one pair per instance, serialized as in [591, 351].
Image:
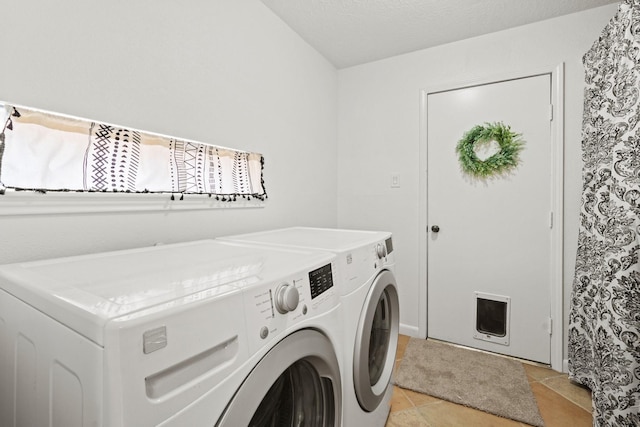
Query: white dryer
[196, 334]
[369, 299]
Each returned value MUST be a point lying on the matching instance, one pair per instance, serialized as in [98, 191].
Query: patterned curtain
[50, 152]
[604, 329]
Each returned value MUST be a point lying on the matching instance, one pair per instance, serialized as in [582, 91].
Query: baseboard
[411, 331]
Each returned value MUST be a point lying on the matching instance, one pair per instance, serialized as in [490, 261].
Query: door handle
[435, 228]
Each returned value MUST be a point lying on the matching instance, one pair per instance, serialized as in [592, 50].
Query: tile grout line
[565, 397]
[415, 411]
[559, 375]
[568, 399]
[437, 399]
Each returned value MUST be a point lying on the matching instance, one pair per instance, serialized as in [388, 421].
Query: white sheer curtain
[44, 151]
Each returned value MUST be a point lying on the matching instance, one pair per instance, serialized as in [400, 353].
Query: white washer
[369, 299]
[196, 334]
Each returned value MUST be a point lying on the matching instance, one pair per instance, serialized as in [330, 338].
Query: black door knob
[435, 228]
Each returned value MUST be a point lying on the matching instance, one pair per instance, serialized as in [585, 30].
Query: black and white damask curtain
[51, 152]
[604, 329]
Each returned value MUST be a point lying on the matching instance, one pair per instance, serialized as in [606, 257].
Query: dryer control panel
[272, 310]
[362, 264]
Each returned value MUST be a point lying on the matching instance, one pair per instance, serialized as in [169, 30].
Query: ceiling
[351, 32]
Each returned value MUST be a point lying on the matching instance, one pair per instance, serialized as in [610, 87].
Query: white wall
[378, 130]
[227, 72]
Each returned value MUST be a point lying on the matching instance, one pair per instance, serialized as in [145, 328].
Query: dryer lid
[85, 292]
[328, 239]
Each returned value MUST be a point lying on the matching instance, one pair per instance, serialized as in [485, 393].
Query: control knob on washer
[381, 250]
[287, 298]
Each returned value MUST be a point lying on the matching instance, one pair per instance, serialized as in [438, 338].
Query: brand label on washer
[349, 258]
[154, 339]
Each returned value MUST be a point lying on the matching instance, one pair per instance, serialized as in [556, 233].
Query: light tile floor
[561, 404]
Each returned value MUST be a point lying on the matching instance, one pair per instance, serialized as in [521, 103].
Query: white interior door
[494, 238]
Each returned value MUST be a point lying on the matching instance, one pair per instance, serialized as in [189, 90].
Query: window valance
[44, 151]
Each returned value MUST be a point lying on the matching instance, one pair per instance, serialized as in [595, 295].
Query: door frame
[557, 195]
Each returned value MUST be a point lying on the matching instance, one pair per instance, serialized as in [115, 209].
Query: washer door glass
[376, 342]
[380, 338]
[299, 397]
[297, 383]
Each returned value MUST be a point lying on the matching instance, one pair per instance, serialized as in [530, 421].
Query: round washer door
[296, 383]
[376, 342]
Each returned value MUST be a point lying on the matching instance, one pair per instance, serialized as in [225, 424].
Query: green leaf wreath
[503, 161]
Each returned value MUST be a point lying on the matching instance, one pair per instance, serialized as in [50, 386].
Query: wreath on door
[508, 157]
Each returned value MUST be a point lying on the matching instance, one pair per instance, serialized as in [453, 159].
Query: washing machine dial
[381, 250]
[287, 298]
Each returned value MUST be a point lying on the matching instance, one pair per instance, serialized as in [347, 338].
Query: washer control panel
[271, 309]
[321, 280]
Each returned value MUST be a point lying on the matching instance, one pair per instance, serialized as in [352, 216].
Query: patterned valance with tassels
[44, 152]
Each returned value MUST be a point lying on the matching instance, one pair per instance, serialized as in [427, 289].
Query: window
[47, 153]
